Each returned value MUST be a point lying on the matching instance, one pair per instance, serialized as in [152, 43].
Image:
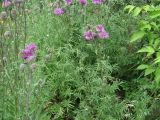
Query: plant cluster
[73, 60]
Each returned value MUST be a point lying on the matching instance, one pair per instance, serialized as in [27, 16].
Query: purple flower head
[83, 2]
[31, 47]
[68, 2]
[103, 35]
[29, 52]
[26, 53]
[89, 35]
[97, 1]
[6, 3]
[100, 28]
[58, 11]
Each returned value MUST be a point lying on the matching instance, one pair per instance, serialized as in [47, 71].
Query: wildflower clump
[96, 32]
[28, 54]
[29, 51]
[101, 32]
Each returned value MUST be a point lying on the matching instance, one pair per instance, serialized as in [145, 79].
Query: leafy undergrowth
[73, 60]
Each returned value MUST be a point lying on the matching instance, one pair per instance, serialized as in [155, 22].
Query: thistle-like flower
[58, 11]
[6, 3]
[103, 35]
[89, 35]
[82, 2]
[68, 2]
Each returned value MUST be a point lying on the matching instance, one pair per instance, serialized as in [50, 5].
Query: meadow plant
[17, 76]
[100, 33]
[49, 72]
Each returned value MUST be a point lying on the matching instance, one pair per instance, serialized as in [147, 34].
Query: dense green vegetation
[80, 60]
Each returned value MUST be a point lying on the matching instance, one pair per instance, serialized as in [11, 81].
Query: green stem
[2, 72]
[25, 25]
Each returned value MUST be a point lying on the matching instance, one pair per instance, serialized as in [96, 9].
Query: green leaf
[154, 14]
[137, 11]
[148, 71]
[157, 75]
[147, 49]
[142, 67]
[154, 25]
[156, 43]
[137, 35]
[146, 8]
[129, 8]
[144, 25]
[157, 60]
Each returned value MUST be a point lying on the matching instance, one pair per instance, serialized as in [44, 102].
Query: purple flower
[103, 35]
[58, 11]
[89, 35]
[68, 2]
[29, 52]
[6, 3]
[97, 1]
[100, 28]
[83, 2]
[26, 53]
[31, 47]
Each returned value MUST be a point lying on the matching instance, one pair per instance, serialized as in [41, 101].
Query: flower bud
[33, 66]
[4, 59]
[7, 34]
[46, 57]
[49, 50]
[21, 67]
[13, 11]
[3, 15]
[28, 11]
[19, 3]
[31, 58]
